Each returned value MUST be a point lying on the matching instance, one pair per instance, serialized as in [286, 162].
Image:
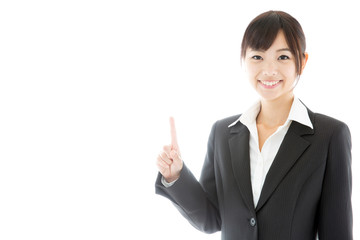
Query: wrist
[166, 183]
[172, 179]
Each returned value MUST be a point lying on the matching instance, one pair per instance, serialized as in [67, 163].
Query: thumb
[177, 162]
[175, 156]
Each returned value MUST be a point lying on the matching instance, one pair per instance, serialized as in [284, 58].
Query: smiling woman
[273, 69]
[264, 29]
[277, 171]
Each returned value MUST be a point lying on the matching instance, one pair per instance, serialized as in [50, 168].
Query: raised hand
[169, 161]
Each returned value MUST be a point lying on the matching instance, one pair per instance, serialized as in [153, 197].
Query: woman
[277, 171]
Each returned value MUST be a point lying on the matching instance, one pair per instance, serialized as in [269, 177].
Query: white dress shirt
[260, 161]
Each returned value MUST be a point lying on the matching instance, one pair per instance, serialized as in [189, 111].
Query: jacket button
[252, 222]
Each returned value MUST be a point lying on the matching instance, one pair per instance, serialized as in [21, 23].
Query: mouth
[269, 84]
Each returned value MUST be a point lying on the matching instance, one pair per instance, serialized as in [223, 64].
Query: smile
[269, 84]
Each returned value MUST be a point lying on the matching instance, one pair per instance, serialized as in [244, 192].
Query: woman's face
[272, 72]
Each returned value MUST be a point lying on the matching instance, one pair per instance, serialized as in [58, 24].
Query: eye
[284, 57]
[256, 57]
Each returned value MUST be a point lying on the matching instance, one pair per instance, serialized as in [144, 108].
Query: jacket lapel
[240, 158]
[289, 152]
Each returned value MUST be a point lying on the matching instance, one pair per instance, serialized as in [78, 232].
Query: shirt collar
[298, 113]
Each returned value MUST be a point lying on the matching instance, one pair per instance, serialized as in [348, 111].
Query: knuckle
[167, 148]
[163, 155]
[174, 154]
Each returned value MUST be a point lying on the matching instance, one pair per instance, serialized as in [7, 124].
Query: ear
[306, 56]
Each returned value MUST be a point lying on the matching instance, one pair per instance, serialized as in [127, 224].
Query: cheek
[289, 72]
[252, 78]
[251, 71]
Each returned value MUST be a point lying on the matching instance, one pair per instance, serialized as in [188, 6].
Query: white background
[86, 89]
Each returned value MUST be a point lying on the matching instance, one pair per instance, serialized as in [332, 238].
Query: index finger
[174, 142]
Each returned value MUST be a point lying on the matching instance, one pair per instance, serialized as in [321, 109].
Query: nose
[270, 68]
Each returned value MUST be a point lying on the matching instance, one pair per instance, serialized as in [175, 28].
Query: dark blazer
[307, 191]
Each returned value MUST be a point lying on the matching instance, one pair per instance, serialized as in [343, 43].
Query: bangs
[262, 34]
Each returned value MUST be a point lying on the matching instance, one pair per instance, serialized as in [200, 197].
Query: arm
[335, 210]
[196, 202]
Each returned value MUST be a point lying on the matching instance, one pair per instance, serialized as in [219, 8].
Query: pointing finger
[174, 142]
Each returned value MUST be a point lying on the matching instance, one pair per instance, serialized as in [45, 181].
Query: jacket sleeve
[196, 201]
[335, 210]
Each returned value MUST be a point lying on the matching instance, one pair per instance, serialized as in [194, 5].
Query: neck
[275, 112]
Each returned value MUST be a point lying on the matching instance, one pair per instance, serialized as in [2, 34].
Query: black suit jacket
[307, 191]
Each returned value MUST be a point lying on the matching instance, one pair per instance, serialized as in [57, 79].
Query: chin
[271, 96]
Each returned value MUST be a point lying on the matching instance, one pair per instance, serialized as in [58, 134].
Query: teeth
[270, 83]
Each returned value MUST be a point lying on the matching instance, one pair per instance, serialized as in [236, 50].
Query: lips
[270, 84]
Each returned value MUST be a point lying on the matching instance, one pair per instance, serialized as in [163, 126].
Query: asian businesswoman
[278, 171]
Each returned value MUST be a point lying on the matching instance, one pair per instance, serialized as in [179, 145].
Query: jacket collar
[292, 147]
[298, 113]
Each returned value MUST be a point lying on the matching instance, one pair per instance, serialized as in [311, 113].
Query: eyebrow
[283, 49]
[279, 50]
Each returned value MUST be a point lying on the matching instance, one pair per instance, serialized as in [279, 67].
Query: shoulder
[322, 121]
[225, 122]
[330, 128]
[221, 129]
